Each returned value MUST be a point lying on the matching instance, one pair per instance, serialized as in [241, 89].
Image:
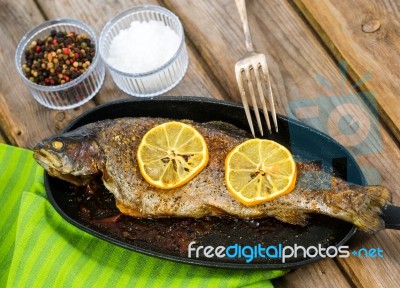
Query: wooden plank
[2, 137]
[294, 55]
[296, 59]
[323, 274]
[374, 272]
[365, 34]
[24, 121]
[197, 81]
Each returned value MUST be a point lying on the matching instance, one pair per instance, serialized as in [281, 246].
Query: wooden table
[304, 42]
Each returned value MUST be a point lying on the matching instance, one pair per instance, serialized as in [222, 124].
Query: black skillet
[306, 143]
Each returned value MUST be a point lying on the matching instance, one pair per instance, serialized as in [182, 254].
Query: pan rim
[192, 261]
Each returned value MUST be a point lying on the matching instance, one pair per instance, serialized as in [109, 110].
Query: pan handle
[391, 216]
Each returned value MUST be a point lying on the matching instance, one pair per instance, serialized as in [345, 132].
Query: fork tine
[239, 80]
[262, 96]
[253, 98]
[271, 96]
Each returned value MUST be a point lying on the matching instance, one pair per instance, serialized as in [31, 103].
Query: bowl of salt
[144, 50]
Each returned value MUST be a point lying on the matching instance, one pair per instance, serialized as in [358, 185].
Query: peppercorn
[58, 58]
[74, 74]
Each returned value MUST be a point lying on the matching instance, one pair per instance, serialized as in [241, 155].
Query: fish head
[73, 156]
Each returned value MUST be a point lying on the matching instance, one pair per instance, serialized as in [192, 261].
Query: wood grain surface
[323, 274]
[197, 81]
[22, 119]
[307, 83]
[365, 34]
[296, 58]
[3, 138]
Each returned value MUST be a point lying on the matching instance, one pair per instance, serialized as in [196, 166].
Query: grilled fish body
[109, 147]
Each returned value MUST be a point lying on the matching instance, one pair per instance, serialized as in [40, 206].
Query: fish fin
[229, 128]
[214, 210]
[360, 205]
[380, 196]
[368, 219]
[124, 209]
[293, 218]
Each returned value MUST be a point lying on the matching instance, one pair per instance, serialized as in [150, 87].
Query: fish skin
[109, 147]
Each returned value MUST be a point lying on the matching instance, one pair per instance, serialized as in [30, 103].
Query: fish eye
[57, 144]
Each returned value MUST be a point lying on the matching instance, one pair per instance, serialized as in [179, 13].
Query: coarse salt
[143, 47]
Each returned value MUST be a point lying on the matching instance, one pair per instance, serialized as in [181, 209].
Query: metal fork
[253, 66]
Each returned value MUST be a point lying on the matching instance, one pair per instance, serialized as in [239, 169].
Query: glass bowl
[75, 92]
[155, 81]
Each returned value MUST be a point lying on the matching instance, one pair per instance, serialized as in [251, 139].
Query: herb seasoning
[59, 58]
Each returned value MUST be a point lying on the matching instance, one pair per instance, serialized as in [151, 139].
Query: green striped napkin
[38, 248]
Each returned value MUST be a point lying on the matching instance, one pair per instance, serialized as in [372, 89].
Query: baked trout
[109, 147]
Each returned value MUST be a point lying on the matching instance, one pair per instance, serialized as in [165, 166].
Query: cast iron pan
[306, 143]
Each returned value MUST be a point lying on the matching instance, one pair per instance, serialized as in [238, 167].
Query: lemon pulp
[171, 154]
[259, 170]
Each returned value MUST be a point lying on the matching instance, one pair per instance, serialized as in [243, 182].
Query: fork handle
[241, 6]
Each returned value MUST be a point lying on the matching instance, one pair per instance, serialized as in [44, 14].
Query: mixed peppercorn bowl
[59, 62]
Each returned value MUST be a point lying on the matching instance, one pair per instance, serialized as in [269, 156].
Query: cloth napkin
[38, 248]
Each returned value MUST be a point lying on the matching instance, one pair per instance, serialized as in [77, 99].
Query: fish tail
[368, 216]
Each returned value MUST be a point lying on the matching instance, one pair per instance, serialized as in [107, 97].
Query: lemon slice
[171, 154]
[259, 170]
